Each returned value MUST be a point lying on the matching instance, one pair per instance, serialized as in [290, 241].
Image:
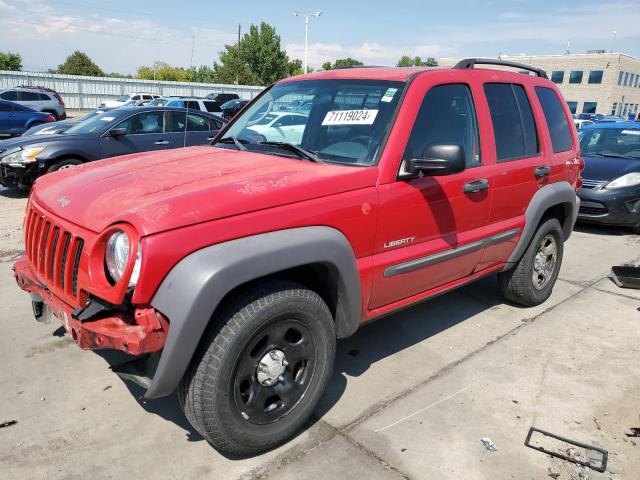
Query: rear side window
[193, 105]
[447, 116]
[211, 106]
[514, 127]
[28, 96]
[44, 96]
[5, 108]
[556, 120]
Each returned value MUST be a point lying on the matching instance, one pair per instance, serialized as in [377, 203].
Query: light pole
[297, 13]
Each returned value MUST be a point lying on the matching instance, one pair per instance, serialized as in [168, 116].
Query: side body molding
[193, 289]
[560, 193]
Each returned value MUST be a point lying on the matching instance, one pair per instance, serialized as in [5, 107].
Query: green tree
[202, 74]
[79, 63]
[163, 71]
[257, 60]
[407, 61]
[10, 61]
[342, 62]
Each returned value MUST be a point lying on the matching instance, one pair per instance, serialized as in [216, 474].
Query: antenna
[613, 42]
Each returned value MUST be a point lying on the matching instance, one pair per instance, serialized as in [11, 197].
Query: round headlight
[117, 255]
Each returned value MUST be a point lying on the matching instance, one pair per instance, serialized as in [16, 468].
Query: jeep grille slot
[54, 253]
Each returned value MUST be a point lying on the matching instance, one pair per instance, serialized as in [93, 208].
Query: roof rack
[472, 62]
[356, 66]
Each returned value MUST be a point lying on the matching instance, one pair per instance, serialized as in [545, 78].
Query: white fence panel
[86, 93]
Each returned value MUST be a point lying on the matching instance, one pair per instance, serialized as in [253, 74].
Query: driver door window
[143, 123]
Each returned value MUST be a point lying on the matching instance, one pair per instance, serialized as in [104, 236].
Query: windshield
[618, 142]
[342, 121]
[93, 124]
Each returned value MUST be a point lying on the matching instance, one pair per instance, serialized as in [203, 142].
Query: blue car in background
[16, 119]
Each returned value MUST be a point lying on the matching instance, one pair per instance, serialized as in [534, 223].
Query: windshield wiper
[301, 152]
[234, 140]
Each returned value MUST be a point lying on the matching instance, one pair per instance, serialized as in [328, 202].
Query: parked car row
[107, 134]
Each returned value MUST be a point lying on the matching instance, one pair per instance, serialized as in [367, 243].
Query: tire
[62, 164]
[518, 284]
[224, 395]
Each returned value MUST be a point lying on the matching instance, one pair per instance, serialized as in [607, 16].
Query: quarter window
[556, 120]
[595, 76]
[447, 116]
[575, 76]
[557, 76]
[514, 127]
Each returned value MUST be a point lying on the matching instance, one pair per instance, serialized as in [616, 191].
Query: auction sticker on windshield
[350, 117]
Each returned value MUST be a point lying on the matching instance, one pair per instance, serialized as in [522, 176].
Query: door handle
[542, 172]
[161, 142]
[476, 186]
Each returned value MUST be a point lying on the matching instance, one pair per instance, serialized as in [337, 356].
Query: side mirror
[117, 132]
[437, 160]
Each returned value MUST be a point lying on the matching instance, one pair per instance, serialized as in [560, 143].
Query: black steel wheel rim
[260, 403]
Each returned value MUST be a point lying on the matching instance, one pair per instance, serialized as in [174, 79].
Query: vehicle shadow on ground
[601, 229]
[13, 193]
[392, 334]
[370, 344]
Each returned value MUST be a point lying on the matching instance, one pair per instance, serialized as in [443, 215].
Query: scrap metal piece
[603, 454]
[626, 276]
[8, 423]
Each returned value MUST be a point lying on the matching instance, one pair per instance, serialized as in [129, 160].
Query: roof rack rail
[357, 66]
[472, 62]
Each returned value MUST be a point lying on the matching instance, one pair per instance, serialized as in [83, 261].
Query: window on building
[573, 106]
[625, 109]
[614, 109]
[513, 123]
[595, 76]
[575, 76]
[635, 84]
[620, 78]
[557, 76]
[625, 82]
[556, 119]
[589, 107]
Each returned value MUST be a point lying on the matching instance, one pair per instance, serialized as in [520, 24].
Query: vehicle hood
[30, 141]
[608, 168]
[158, 191]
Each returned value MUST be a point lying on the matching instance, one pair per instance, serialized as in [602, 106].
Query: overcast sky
[120, 36]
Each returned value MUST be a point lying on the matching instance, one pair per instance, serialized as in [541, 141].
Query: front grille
[589, 184]
[53, 252]
[593, 208]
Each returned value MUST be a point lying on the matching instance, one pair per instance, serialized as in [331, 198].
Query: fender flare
[560, 193]
[193, 289]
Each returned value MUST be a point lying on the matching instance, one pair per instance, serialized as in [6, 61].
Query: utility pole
[193, 46]
[239, 57]
[306, 16]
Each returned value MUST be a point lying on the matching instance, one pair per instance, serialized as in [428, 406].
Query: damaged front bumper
[137, 331]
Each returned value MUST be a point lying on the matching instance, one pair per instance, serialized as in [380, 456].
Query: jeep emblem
[64, 201]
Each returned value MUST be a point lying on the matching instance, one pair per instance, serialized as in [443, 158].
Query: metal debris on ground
[8, 423]
[591, 457]
[488, 445]
[626, 276]
[633, 432]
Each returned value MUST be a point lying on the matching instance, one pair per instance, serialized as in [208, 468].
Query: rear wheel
[66, 163]
[531, 281]
[260, 369]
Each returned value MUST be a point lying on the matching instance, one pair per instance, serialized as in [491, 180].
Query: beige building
[606, 83]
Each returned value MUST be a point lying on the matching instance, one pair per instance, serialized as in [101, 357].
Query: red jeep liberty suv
[229, 271]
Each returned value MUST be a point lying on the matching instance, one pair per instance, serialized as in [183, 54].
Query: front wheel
[531, 281]
[62, 164]
[261, 368]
